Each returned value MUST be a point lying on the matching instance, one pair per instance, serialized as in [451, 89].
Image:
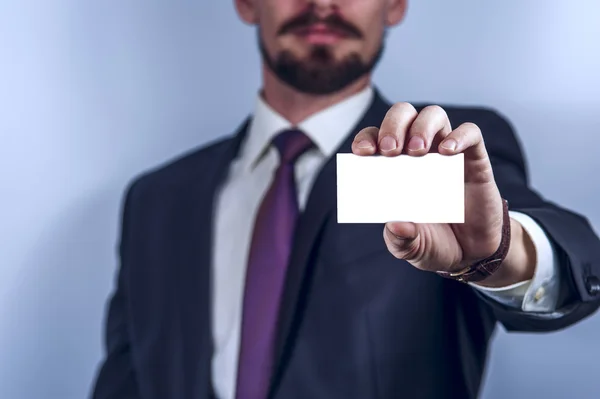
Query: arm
[116, 377]
[494, 169]
[576, 247]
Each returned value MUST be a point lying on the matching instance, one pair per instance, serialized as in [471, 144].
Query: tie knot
[291, 144]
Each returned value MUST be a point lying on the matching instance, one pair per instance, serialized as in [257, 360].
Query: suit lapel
[193, 265]
[321, 206]
[197, 207]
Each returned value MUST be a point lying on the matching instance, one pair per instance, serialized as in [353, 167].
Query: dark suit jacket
[356, 323]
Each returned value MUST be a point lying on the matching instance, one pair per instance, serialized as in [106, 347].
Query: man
[237, 282]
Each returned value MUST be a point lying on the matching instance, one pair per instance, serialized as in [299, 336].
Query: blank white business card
[377, 189]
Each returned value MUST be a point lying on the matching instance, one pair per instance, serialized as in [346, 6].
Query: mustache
[332, 21]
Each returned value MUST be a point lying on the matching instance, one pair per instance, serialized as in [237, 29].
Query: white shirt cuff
[540, 294]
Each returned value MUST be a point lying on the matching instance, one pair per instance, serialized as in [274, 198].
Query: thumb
[403, 240]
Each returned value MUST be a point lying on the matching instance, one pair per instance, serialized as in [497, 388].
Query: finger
[394, 127]
[402, 240]
[365, 142]
[467, 139]
[429, 128]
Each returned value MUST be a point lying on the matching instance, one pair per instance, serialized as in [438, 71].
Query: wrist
[520, 261]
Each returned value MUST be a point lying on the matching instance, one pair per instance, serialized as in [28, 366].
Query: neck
[296, 106]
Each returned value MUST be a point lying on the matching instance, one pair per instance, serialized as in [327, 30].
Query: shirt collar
[326, 128]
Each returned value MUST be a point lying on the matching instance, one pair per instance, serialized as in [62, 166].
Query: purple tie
[267, 265]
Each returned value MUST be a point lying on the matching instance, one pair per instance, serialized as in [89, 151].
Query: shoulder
[186, 170]
[181, 169]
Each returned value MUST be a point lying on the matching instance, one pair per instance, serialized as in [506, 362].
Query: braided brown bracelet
[488, 266]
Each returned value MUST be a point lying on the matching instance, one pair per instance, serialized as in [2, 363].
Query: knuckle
[470, 126]
[410, 249]
[407, 249]
[400, 111]
[431, 119]
[403, 107]
[435, 109]
[423, 128]
[398, 117]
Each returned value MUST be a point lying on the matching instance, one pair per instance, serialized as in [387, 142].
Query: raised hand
[448, 247]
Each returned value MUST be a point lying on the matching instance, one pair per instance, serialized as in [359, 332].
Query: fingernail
[364, 144]
[388, 144]
[416, 143]
[449, 144]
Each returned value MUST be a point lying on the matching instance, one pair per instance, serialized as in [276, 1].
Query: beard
[320, 73]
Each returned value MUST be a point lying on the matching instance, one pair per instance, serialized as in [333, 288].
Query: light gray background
[94, 92]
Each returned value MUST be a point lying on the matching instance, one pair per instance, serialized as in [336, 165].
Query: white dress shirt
[239, 200]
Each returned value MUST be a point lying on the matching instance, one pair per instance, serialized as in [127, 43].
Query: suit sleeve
[116, 378]
[577, 246]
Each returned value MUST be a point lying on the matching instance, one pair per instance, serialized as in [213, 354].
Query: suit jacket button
[592, 284]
